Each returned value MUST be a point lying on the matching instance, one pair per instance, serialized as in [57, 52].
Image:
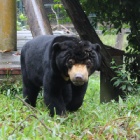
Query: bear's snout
[79, 77]
[78, 74]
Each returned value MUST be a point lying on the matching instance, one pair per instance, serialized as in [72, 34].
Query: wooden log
[8, 25]
[37, 19]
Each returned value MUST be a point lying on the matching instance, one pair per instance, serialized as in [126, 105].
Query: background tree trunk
[86, 32]
[119, 40]
[37, 19]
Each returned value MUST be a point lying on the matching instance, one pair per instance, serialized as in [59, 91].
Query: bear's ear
[96, 47]
[59, 46]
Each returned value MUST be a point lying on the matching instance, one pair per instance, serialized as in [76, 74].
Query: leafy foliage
[21, 18]
[124, 81]
[119, 14]
[10, 89]
[59, 13]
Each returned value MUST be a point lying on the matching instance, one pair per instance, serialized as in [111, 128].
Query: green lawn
[111, 40]
[93, 121]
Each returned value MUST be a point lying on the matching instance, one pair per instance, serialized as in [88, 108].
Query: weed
[11, 89]
[124, 81]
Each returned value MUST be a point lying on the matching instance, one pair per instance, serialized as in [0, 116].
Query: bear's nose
[79, 77]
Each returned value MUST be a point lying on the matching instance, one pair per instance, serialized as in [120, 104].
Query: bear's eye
[88, 63]
[71, 62]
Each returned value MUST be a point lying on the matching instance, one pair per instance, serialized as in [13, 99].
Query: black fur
[44, 62]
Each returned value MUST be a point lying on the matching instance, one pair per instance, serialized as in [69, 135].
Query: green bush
[124, 81]
[11, 89]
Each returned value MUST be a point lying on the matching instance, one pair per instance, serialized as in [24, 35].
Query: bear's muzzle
[78, 74]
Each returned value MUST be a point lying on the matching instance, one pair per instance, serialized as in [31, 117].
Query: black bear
[62, 65]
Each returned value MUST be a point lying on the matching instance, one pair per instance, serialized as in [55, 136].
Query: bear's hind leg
[30, 94]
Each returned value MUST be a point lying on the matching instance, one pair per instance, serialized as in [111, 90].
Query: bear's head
[76, 60]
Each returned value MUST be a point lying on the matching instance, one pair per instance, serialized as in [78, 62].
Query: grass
[93, 121]
[111, 40]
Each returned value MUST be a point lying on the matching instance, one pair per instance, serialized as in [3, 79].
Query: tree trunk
[37, 19]
[7, 25]
[84, 28]
[86, 32]
[119, 40]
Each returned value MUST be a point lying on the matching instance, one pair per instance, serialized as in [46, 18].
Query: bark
[119, 40]
[37, 19]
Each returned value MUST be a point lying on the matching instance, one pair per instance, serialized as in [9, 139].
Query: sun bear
[62, 66]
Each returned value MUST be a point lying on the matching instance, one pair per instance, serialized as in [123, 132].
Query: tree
[86, 32]
[119, 14]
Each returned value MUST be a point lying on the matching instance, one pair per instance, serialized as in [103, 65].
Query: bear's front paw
[57, 112]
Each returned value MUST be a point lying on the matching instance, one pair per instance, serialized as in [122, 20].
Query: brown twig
[101, 131]
[33, 115]
[27, 105]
